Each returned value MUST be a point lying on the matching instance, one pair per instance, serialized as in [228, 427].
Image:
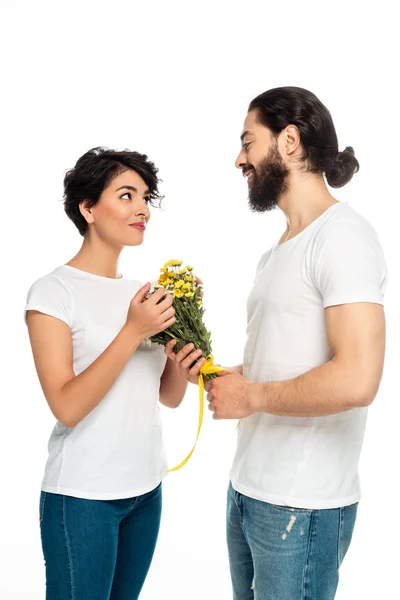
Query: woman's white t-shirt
[116, 451]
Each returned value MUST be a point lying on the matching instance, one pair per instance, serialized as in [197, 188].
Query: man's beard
[268, 182]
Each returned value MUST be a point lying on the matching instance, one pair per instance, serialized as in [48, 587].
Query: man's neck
[308, 197]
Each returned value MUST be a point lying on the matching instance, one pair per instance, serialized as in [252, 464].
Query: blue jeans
[282, 553]
[98, 549]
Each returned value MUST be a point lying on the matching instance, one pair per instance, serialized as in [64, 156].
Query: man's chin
[260, 206]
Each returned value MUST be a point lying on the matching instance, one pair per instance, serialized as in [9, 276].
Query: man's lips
[248, 172]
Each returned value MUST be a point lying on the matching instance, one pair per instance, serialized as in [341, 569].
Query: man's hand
[231, 396]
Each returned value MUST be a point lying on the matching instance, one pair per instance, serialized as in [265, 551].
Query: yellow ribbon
[207, 369]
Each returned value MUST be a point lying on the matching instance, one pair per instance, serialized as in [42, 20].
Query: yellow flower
[189, 268]
[166, 282]
[179, 284]
[182, 271]
[174, 263]
[171, 263]
[189, 294]
[186, 287]
[199, 302]
[189, 278]
[178, 293]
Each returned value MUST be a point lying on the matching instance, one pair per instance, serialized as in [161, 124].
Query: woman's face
[122, 213]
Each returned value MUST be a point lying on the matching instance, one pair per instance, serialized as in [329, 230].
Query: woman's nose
[142, 209]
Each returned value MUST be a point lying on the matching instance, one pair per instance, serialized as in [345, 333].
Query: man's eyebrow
[244, 135]
[133, 189]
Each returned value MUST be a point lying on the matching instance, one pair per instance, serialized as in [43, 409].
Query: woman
[100, 503]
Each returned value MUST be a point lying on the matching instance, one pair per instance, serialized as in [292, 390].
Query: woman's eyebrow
[133, 189]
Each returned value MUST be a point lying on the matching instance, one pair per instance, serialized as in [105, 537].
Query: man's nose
[240, 161]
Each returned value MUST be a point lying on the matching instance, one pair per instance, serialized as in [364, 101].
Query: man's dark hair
[280, 107]
[95, 170]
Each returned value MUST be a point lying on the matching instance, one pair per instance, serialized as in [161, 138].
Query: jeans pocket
[41, 506]
[347, 519]
[291, 509]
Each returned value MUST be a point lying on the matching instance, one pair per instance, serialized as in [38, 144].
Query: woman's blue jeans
[98, 549]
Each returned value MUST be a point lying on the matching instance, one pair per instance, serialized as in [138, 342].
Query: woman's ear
[86, 211]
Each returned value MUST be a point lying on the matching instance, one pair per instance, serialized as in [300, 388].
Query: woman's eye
[126, 196]
[246, 146]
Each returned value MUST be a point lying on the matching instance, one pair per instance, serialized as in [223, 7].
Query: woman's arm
[178, 372]
[173, 386]
[72, 397]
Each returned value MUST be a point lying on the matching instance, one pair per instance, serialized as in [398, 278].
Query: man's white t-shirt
[116, 451]
[305, 462]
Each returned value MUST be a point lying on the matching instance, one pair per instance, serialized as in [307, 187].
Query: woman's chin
[137, 242]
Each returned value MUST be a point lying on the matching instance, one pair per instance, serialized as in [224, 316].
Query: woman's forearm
[172, 387]
[79, 396]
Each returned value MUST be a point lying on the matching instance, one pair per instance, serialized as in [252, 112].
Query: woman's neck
[98, 258]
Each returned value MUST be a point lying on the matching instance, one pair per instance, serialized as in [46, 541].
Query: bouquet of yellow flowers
[188, 327]
[188, 304]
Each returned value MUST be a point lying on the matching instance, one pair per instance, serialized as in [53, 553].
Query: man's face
[262, 164]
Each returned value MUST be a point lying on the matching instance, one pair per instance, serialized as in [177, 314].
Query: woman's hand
[150, 317]
[184, 360]
[200, 282]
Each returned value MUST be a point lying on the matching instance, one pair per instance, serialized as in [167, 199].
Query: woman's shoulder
[55, 279]
[50, 294]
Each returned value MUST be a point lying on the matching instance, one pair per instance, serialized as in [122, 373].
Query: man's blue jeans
[98, 549]
[282, 553]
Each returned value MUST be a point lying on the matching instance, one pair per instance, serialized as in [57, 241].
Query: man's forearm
[325, 390]
[237, 369]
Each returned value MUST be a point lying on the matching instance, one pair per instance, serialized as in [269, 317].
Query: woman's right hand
[148, 318]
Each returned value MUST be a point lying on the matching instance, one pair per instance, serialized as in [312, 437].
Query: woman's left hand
[200, 282]
[184, 360]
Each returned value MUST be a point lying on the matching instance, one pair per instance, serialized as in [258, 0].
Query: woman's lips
[140, 226]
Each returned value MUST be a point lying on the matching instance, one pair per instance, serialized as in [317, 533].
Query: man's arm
[237, 369]
[356, 335]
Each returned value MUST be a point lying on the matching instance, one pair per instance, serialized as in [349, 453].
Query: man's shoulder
[344, 221]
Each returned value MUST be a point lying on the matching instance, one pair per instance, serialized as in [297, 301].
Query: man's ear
[292, 140]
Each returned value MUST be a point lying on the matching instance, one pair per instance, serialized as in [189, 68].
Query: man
[313, 359]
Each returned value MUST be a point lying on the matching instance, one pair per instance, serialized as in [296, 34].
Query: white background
[173, 79]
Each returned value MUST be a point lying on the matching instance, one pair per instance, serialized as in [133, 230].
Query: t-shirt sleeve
[51, 296]
[263, 260]
[347, 264]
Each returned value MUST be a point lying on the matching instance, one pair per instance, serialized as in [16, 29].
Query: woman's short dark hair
[280, 107]
[95, 170]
